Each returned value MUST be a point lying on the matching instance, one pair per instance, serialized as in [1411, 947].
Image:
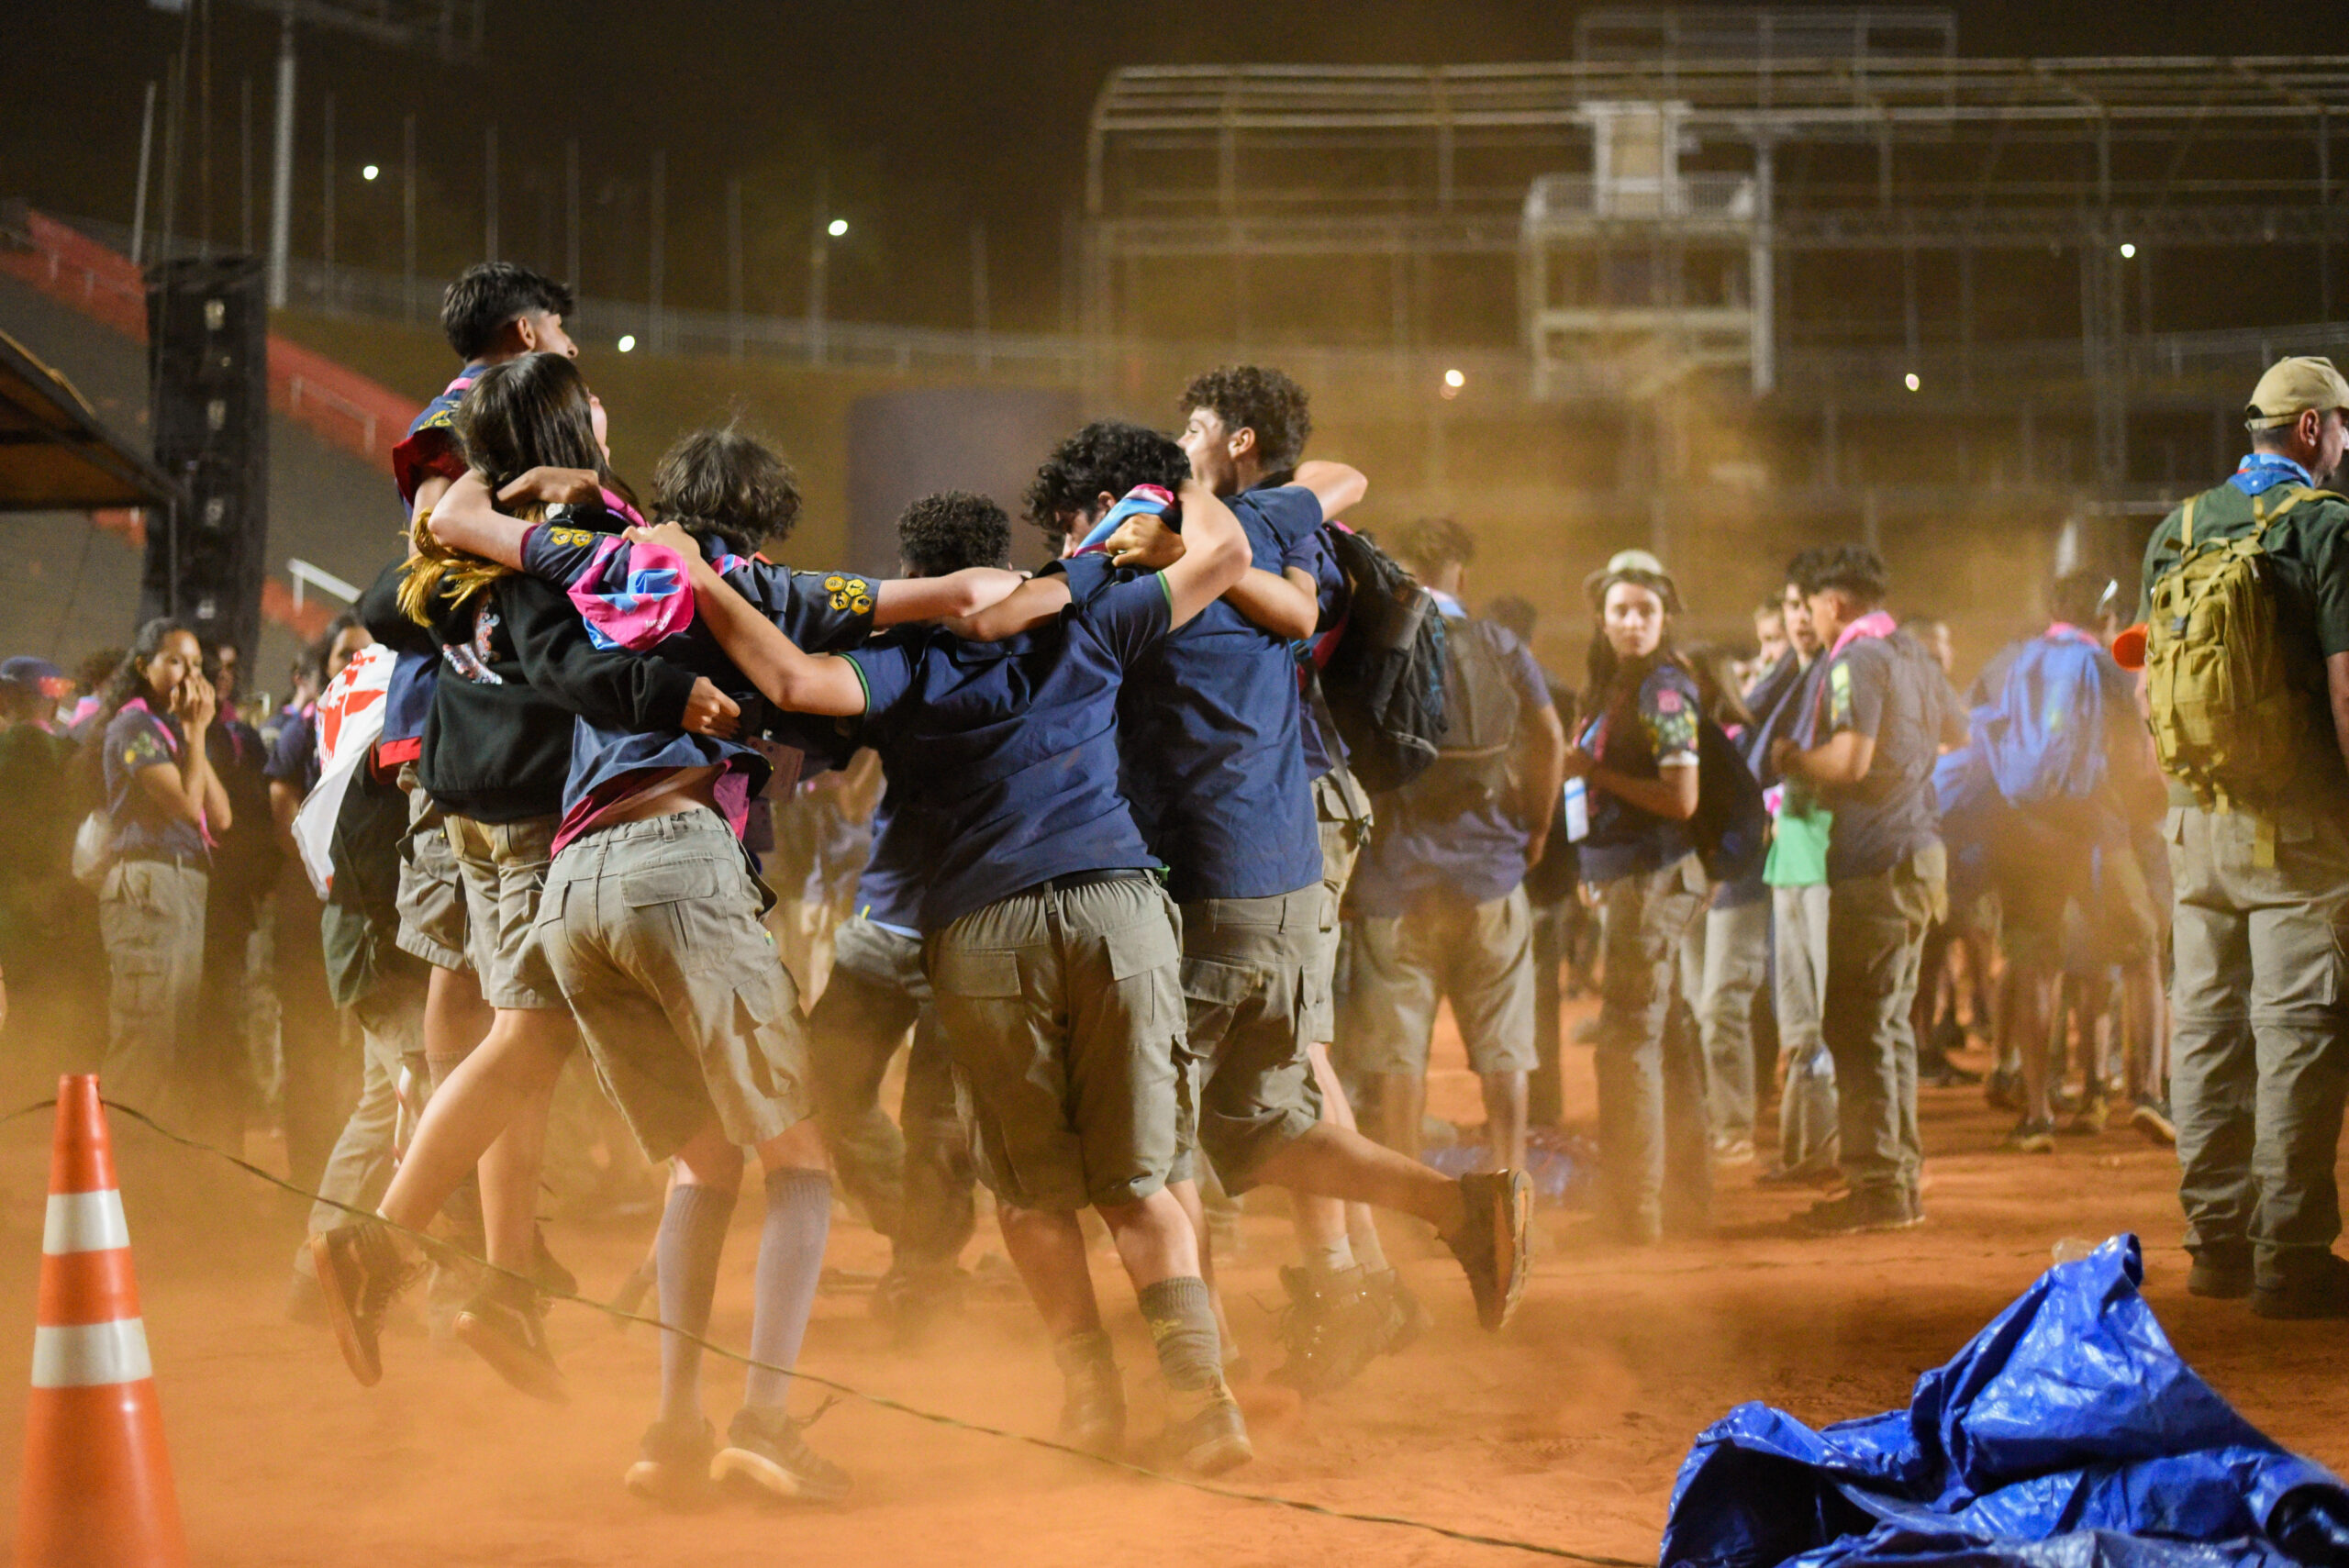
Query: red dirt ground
[1565, 1428]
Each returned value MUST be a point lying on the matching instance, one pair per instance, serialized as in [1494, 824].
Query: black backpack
[1481, 714]
[1731, 828]
[1384, 680]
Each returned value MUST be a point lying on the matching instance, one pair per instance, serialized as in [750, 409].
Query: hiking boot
[2221, 1272]
[672, 1467]
[1093, 1396]
[1205, 1434]
[505, 1325]
[1331, 1327]
[1862, 1209]
[2149, 1114]
[765, 1450]
[2318, 1287]
[360, 1271]
[2003, 1089]
[2031, 1136]
[1406, 1319]
[1492, 1243]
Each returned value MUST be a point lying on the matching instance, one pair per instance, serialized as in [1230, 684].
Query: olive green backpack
[2230, 723]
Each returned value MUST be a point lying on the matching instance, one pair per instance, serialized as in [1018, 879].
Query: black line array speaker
[207, 358]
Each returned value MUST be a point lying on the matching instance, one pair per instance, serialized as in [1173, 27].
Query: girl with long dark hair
[1638, 756]
[516, 665]
[164, 805]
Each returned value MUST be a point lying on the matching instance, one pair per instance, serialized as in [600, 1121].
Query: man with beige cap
[2258, 834]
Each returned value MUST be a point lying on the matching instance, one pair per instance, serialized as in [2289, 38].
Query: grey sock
[791, 1259]
[1182, 1324]
[693, 1233]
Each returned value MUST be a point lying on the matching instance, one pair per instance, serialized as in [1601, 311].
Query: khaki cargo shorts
[1478, 956]
[1063, 1008]
[504, 866]
[432, 898]
[1254, 982]
[651, 929]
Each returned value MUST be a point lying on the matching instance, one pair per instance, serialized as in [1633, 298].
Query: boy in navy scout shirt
[1051, 946]
[1207, 721]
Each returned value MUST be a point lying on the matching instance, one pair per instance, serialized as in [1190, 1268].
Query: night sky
[930, 117]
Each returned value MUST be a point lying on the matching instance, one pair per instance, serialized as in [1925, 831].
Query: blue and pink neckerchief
[2262, 472]
[172, 744]
[1152, 500]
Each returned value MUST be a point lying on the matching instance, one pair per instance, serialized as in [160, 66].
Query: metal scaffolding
[1739, 162]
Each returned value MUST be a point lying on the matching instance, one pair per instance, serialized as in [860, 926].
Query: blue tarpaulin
[2068, 1434]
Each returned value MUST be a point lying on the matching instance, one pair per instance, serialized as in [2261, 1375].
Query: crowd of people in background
[1157, 867]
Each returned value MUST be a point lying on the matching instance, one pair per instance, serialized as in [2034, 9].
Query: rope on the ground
[434, 1246]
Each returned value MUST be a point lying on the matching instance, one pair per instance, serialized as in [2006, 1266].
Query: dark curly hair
[951, 530]
[1433, 543]
[489, 296]
[1855, 568]
[1251, 397]
[726, 484]
[1109, 455]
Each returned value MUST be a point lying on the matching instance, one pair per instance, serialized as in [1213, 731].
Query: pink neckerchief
[2065, 631]
[1876, 623]
[172, 744]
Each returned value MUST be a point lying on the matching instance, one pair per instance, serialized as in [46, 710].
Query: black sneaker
[1205, 1434]
[672, 1467]
[1331, 1327]
[2149, 1114]
[2003, 1089]
[361, 1272]
[1493, 1244]
[1093, 1396]
[1863, 1208]
[1406, 1319]
[2221, 1272]
[504, 1324]
[2316, 1289]
[765, 1451]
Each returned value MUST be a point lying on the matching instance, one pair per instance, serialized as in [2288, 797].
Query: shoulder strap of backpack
[2186, 526]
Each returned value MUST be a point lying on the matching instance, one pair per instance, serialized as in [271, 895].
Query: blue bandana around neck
[2262, 472]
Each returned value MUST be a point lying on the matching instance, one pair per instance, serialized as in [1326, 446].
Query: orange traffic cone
[97, 1490]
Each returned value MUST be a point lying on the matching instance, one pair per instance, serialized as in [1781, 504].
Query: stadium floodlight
[1910, 381]
[2128, 252]
[836, 227]
[369, 172]
[626, 342]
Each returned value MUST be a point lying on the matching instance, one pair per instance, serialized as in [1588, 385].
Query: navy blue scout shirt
[1003, 756]
[1207, 729]
[639, 597]
[135, 739]
[1478, 855]
[1659, 725]
[1887, 688]
[889, 890]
